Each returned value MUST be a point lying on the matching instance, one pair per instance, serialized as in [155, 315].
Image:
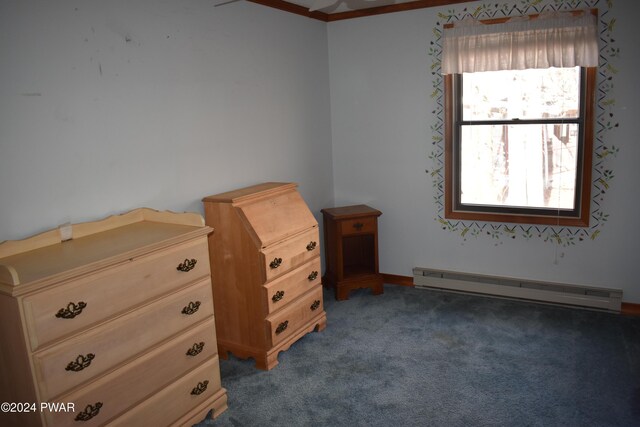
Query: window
[518, 138]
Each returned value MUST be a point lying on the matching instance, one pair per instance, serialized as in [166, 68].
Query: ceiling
[332, 10]
[348, 5]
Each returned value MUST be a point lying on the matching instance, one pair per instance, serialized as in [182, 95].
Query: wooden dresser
[265, 261]
[114, 320]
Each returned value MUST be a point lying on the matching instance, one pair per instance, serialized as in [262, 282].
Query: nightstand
[351, 250]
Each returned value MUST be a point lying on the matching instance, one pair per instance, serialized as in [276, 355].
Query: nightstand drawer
[177, 398]
[81, 303]
[82, 358]
[287, 321]
[291, 253]
[290, 286]
[119, 390]
[357, 226]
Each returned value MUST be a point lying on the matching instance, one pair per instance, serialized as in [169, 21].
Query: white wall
[381, 113]
[106, 106]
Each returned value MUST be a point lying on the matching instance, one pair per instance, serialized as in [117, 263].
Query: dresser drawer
[176, 399]
[50, 315]
[103, 348]
[119, 390]
[287, 288]
[287, 321]
[358, 226]
[291, 253]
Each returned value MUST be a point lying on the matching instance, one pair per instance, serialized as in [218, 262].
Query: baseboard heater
[547, 292]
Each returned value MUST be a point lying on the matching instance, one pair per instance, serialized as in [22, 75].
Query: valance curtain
[556, 39]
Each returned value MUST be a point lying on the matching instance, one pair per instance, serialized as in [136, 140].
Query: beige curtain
[556, 39]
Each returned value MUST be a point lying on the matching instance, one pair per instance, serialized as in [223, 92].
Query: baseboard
[627, 308]
[630, 309]
[394, 279]
[581, 296]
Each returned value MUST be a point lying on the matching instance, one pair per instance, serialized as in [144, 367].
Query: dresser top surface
[348, 212]
[248, 193]
[91, 251]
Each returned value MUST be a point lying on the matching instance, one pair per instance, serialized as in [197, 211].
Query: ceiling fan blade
[225, 2]
[321, 4]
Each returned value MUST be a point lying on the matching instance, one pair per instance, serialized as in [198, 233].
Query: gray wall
[381, 114]
[107, 106]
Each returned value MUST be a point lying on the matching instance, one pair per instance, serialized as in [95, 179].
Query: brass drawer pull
[313, 276]
[281, 327]
[311, 246]
[275, 263]
[187, 265]
[200, 388]
[277, 296]
[315, 305]
[80, 363]
[358, 226]
[71, 311]
[196, 349]
[89, 412]
[191, 308]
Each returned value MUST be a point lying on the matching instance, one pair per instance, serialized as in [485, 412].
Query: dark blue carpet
[415, 357]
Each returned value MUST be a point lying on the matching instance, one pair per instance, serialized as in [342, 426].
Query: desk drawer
[49, 315]
[290, 253]
[102, 349]
[287, 321]
[358, 226]
[131, 384]
[287, 288]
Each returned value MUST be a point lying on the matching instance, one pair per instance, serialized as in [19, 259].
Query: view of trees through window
[519, 138]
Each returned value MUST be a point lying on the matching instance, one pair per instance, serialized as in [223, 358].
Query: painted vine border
[602, 174]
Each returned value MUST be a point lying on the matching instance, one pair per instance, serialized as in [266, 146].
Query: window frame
[581, 214]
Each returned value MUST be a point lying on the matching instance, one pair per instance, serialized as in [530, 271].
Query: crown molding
[325, 17]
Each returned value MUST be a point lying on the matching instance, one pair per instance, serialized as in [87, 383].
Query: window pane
[528, 165]
[521, 94]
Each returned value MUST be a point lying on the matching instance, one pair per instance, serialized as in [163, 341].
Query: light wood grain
[53, 237]
[175, 399]
[283, 290]
[255, 227]
[159, 321]
[130, 385]
[133, 331]
[41, 267]
[294, 315]
[290, 253]
[269, 220]
[152, 275]
[16, 373]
